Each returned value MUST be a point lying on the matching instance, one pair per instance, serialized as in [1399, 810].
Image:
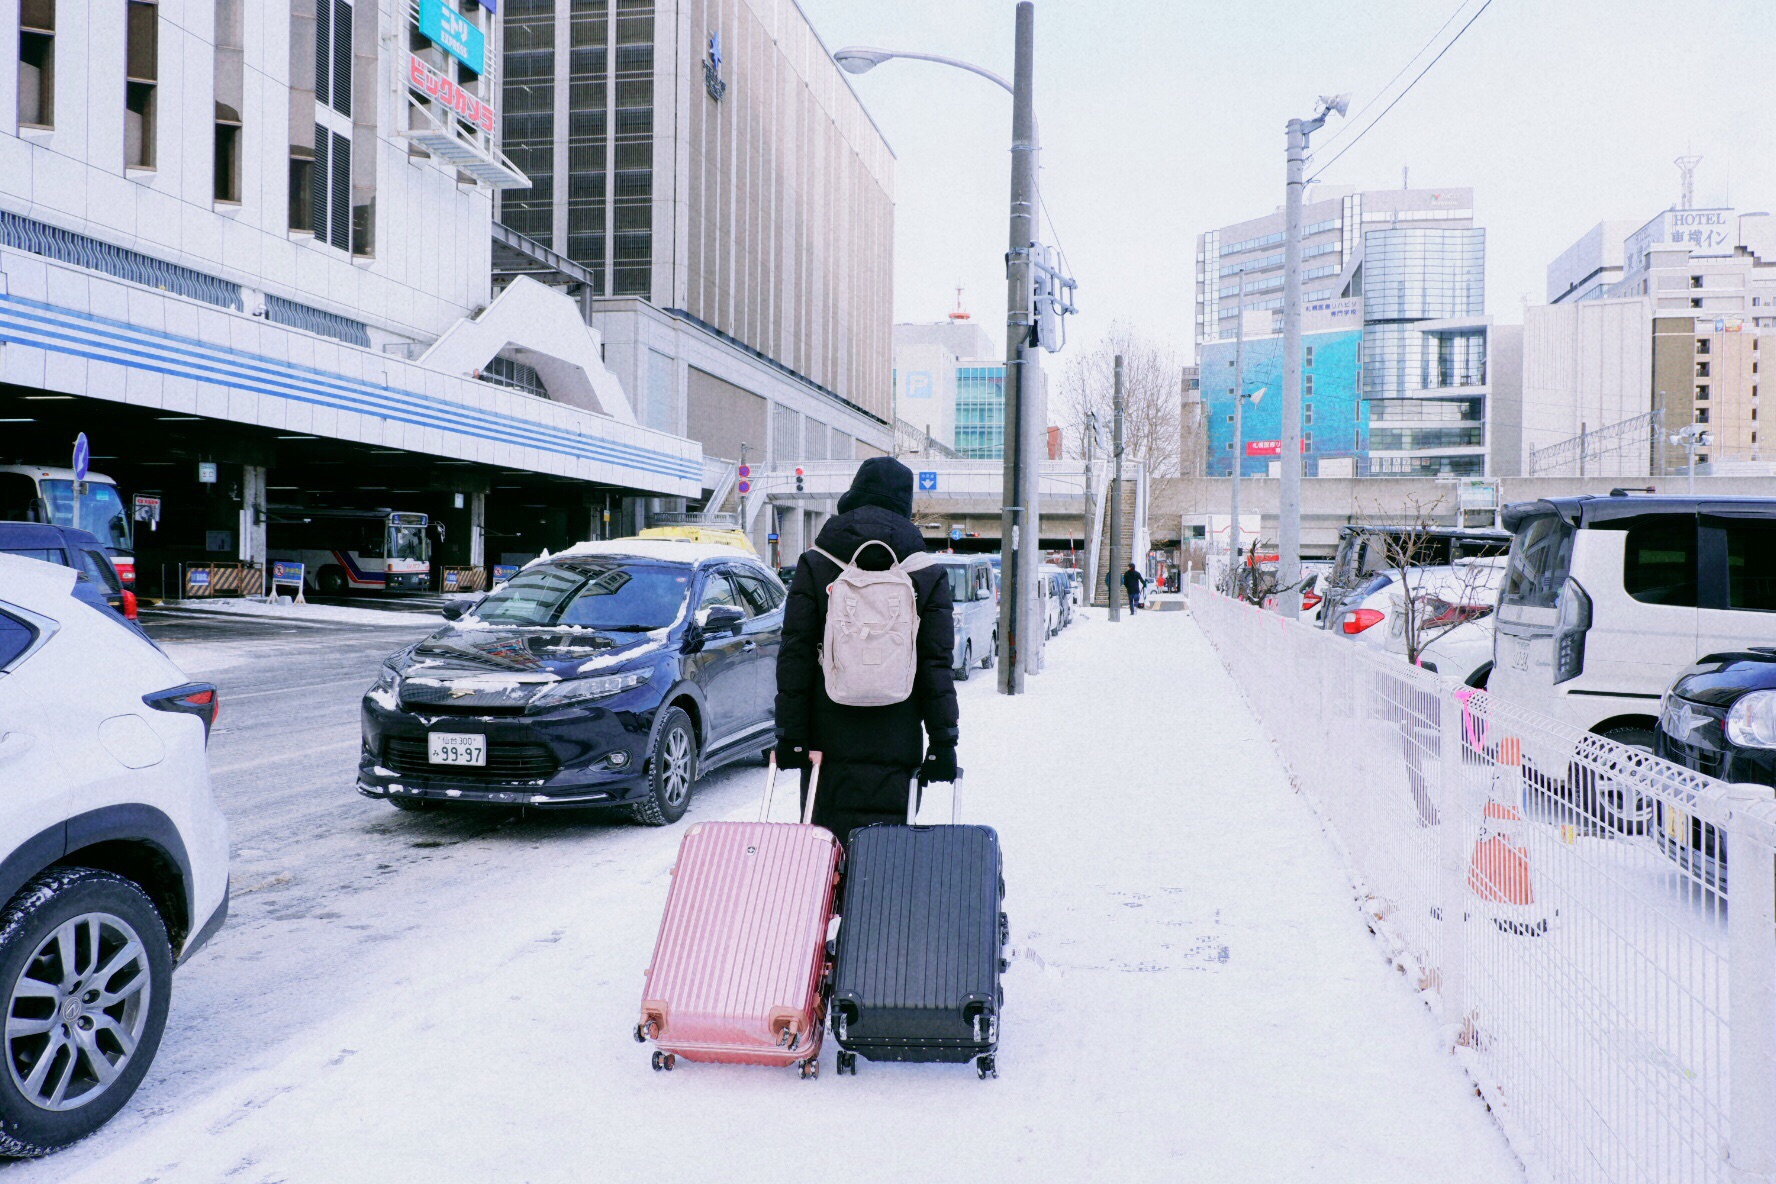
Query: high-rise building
[1393, 290]
[705, 179]
[1591, 266]
[1673, 341]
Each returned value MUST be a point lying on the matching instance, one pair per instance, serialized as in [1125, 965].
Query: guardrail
[1560, 901]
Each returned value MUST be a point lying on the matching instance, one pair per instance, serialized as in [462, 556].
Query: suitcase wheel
[986, 1066]
[847, 1064]
[810, 1068]
[664, 1061]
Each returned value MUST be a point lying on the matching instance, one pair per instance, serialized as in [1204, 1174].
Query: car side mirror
[720, 618]
[456, 610]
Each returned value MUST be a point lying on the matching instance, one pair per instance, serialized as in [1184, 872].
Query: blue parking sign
[927, 480]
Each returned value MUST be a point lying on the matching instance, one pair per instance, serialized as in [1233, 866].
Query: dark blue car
[612, 675]
[98, 583]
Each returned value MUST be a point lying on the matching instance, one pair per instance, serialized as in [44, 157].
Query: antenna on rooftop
[959, 314]
[1687, 166]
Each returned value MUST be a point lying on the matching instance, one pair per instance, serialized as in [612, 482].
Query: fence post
[1751, 990]
[1452, 834]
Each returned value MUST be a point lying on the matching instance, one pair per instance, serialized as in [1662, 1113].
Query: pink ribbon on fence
[1473, 727]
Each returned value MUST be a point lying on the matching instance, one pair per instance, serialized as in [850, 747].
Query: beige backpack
[869, 653]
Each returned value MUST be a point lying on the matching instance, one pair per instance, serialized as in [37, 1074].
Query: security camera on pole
[1288, 600]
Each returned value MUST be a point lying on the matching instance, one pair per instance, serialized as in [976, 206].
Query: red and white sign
[435, 86]
[1268, 447]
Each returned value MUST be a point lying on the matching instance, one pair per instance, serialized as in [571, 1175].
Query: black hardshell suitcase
[921, 945]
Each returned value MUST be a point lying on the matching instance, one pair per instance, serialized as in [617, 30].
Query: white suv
[1606, 600]
[113, 855]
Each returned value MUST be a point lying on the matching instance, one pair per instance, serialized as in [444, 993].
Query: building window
[1702, 345]
[36, 82]
[1701, 369]
[228, 132]
[1701, 415]
[1696, 302]
[1307, 386]
[527, 129]
[142, 61]
[1702, 391]
[1308, 357]
[1230, 418]
[333, 55]
[330, 189]
[1307, 441]
[1307, 414]
[230, 86]
[1695, 281]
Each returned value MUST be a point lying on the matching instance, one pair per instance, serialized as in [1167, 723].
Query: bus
[352, 550]
[38, 493]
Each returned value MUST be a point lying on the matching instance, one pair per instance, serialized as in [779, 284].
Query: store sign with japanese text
[454, 33]
[1268, 447]
[1706, 233]
[441, 90]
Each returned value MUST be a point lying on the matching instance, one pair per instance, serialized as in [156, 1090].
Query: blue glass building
[980, 411]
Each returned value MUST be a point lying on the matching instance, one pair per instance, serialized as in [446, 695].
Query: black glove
[790, 756]
[940, 765]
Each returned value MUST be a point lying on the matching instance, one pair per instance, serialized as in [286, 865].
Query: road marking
[237, 696]
[294, 754]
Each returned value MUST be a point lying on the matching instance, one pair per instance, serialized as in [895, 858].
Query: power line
[1404, 93]
[1351, 123]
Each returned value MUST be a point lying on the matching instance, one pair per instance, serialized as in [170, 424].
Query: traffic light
[798, 479]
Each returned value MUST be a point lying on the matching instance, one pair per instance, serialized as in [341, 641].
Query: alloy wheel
[675, 767]
[77, 1011]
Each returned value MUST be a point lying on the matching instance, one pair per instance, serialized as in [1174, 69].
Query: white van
[976, 610]
[1606, 600]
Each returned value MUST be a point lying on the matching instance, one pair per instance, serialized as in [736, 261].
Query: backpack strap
[917, 561]
[836, 561]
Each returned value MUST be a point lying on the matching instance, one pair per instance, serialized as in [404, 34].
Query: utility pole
[1019, 524]
[1239, 433]
[1288, 600]
[1117, 559]
[1091, 549]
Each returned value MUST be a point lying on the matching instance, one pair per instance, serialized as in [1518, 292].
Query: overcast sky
[1163, 118]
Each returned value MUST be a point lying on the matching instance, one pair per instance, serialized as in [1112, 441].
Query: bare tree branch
[1153, 391]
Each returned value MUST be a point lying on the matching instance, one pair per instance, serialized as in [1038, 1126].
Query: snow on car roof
[671, 550]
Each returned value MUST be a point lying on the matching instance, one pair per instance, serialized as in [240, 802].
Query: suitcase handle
[955, 799]
[771, 788]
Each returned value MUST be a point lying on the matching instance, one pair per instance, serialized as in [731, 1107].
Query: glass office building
[980, 412]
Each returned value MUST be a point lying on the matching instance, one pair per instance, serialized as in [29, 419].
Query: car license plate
[456, 748]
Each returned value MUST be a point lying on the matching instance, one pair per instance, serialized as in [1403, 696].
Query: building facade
[251, 241]
[1409, 266]
[1674, 341]
[724, 205]
[949, 385]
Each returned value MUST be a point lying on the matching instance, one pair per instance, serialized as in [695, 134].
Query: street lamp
[1288, 599]
[1020, 521]
[1692, 436]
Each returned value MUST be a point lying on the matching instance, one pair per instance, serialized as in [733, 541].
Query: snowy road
[1193, 995]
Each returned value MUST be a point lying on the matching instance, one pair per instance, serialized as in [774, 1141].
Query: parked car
[113, 855]
[98, 582]
[1452, 618]
[1718, 718]
[1060, 591]
[976, 610]
[1368, 556]
[1048, 603]
[1608, 600]
[613, 674]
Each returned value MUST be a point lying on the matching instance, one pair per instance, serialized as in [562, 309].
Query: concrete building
[1406, 265]
[949, 385]
[1674, 341]
[1591, 266]
[706, 181]
[245, 247]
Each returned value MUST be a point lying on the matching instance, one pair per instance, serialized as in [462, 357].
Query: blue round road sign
[82, 456]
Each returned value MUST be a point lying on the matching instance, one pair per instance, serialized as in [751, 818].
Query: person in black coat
[869, 755]
[1132, 583]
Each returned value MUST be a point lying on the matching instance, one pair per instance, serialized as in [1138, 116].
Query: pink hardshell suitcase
[740, 965]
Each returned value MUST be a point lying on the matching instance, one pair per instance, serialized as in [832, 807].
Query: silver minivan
[976, 609]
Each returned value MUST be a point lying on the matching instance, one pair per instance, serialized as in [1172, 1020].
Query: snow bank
[1192, 996]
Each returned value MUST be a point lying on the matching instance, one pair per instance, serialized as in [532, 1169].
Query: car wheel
[331, 581]
[86, 970]
[672, 769]
[967, 667]
[1607, 796]
[992, 654]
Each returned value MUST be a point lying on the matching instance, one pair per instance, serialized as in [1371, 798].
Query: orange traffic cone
[1498, 872]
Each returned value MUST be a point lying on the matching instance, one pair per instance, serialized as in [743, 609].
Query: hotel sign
[446, 93]
[1706, 232]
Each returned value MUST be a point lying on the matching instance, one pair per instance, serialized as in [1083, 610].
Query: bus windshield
[101, 511]
[407, 542]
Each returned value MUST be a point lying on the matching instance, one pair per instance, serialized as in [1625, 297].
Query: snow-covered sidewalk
[1193, 996]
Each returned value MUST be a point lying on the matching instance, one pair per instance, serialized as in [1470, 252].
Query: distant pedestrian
[1132, 583]
[869, 754]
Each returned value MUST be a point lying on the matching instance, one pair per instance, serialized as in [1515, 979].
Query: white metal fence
[1560, 900]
